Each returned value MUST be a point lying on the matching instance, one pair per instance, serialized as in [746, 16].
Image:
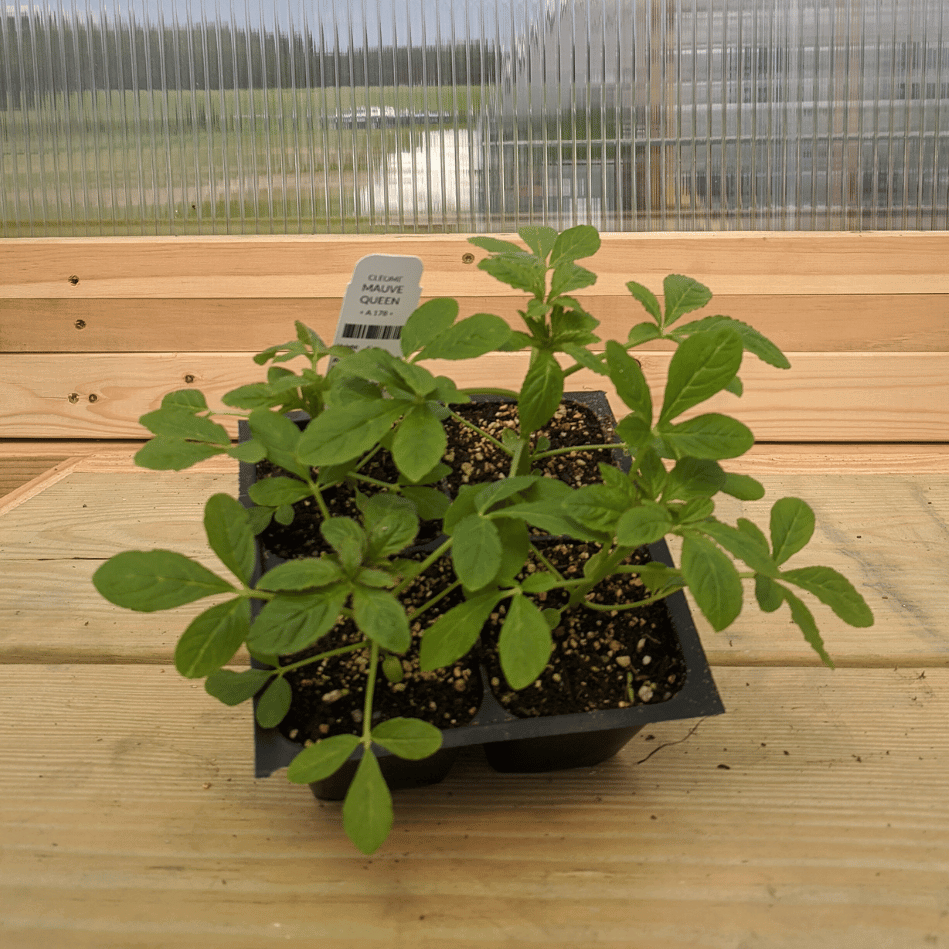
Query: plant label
[382, 295]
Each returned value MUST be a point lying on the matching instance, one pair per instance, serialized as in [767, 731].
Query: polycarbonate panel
[343, 116]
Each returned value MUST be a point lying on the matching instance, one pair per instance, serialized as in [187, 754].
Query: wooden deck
[814, 814]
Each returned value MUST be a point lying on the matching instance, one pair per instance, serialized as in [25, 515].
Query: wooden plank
[888, 532]
[795, 322]
[24, 470]
[846, 397]
[812, 814]
[284, 266]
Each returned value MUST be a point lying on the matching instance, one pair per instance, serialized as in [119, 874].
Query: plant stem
[574, 448]
[370, 694]
[480, 431]
[426, 563]
[341, 651]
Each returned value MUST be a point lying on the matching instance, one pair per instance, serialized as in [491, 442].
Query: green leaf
[275, 492]
[391, 523]
[409, 738]
[476, 551]
[251, 451]
[596, 506]
[701, 367]
[427, 323]
[753, 341]
[694, 477]
[541, 392]
[382, 618]
[515, 547]
[649, 300]
[643, 332]
[742, 545]
[769, 594]
[430, 503]
[568, 277]
[179, 422]
[281, 437]
[539, 582]
[304, 574]
[592, 361]
[453, 634]
[525, 643]
[293, 621]
[488, 495]
[539, 239]
[575, 243]
[743, 487]
[710, 436]
[273, 705]
[833, 590]
[682, 295]
[643, 525]
[805, 620]
[419, 443]
[232, 687]
[151, 580]
[792, 526]
[495, 245]
[173, 454]
[321, 759]
[631, 386]
[520, 271]
[345, 432]
[191, 400]
[347, 538]
[230, 536]
[712, 579]
[469, 338]
[367, 810]
[255, 395]
[635, 432]
[212, 638]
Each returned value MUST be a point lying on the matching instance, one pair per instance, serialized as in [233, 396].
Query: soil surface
[600, 660]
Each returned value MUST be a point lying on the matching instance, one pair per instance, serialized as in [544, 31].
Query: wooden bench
[813, 814]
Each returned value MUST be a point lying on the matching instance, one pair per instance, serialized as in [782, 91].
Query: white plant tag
[382, 295]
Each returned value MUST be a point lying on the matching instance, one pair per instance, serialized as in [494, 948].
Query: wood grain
[823, 397]
[812, 814]
[284, 266]
[795, 322]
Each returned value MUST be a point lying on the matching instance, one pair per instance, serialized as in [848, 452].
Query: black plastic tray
[514, 744]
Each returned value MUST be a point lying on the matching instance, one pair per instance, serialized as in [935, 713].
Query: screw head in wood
[74, 280]
[80, 324]
[73, 397]
[93, 397]
[467, 258]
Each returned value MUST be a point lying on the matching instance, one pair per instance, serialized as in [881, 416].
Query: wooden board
[843, 397]
[284, 266]
[813, 814]
[795, 322]
[888, 532]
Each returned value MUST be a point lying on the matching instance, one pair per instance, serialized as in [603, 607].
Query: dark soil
[471, 457]
[600, 660]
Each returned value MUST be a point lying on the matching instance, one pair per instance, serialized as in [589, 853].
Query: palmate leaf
[345, 432]
[539, 238]
[469, 338]
[382, 618]
[754, 342]
[682, 295]
[575, 243]
[833, 590]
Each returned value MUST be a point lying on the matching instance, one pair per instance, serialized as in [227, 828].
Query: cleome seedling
[364, 404]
